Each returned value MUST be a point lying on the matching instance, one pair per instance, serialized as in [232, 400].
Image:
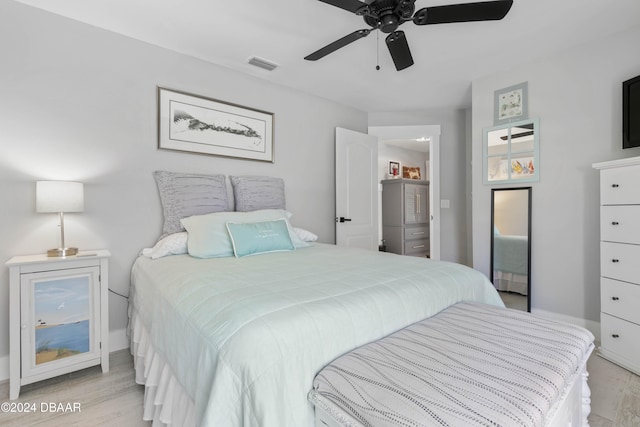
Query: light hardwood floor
[114, 399]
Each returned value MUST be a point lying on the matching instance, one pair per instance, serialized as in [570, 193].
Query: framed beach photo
[196, 124]
[511, 104]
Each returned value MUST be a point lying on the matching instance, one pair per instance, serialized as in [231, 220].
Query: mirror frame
[534, 153]
[529, 191]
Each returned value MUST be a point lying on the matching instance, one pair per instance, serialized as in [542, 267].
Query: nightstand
[58, 316]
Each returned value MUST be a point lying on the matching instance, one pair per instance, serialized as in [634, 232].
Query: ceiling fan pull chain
[378, 51]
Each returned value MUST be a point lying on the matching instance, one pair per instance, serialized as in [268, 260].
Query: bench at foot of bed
[469, 365]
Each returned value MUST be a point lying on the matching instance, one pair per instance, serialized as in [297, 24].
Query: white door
[356, 189]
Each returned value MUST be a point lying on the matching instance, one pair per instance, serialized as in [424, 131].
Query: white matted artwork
[511, 104]
[196, 124]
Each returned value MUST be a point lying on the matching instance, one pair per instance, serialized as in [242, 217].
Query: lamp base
[62, 252]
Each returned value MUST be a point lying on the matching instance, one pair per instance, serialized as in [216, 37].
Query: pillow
[254, 238]
[173, 244]
[209, 237]
[183, 195]
[252, 193]
[305, 235]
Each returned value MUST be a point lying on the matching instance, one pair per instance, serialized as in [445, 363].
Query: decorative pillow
[209, 237]
[305, 235]
[183, 195]
[252, 193]
[173, 244]
[254, 238]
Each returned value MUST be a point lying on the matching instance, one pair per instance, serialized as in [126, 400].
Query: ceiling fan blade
[351, 5]
[399, 50]
[465, 12]
[332, 47]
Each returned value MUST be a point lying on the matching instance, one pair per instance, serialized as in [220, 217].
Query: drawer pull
[418, 247]
[615, 335]
[615, 185]
[417, 233]
[615, 260]
[615, 223]
[615, 298]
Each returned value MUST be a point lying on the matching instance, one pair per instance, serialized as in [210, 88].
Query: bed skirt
[165, 401]
[511, 282]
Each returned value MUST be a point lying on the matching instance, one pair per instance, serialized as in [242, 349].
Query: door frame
[432, 132]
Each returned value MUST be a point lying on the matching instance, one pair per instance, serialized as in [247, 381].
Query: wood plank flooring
[114, 399]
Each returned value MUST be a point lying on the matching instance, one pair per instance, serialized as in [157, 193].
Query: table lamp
[60, 197]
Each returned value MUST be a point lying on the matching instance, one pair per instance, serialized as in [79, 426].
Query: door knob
[615, 223]
[343, 219]
[615, 298]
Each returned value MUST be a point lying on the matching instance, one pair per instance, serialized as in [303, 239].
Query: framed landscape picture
[196, 124]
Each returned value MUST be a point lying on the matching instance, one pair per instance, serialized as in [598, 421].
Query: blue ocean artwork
[62, 326]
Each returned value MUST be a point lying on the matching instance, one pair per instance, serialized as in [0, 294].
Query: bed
[510, 263]
[226, 331]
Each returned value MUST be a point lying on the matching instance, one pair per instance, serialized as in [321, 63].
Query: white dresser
[620, 261]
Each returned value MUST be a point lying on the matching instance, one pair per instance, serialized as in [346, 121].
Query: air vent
[262, 63]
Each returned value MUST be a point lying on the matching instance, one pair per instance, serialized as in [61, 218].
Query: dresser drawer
[620, 224]
[620, 337]
[620, 261]
[416, 247]
[619, 186]
[412, 233]
[620, 299]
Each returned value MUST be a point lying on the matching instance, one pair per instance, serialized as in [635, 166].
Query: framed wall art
[511, 104]
[394, 169]
[196, 124]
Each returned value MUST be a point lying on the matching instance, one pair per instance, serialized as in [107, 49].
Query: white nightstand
[58, 316]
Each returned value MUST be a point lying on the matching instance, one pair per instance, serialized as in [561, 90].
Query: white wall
[79, 103]
[453, 171]
[577, 96]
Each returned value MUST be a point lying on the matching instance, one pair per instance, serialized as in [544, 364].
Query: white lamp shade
[59, 196]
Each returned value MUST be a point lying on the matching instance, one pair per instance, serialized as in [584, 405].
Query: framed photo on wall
[196, 124]
[511, 104]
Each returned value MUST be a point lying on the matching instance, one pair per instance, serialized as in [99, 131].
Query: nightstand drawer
[416, 247]
[620, 261]
[619, 186]
[620, 224]
[620, 299]
[411, 233]
[620, 337]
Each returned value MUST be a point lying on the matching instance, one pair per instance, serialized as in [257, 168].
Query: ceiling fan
[388, 15]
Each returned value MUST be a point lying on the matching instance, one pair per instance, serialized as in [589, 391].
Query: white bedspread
[246, 336]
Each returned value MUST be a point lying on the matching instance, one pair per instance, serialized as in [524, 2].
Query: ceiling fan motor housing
[387, 15]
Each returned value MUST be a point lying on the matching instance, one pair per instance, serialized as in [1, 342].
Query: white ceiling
[447, 57]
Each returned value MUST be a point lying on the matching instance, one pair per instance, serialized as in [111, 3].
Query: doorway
[425, 138]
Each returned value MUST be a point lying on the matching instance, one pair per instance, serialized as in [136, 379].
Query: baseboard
[118, 340]
[591, 325]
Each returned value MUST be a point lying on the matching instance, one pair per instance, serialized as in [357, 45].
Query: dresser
[405, 216]
[620, 261]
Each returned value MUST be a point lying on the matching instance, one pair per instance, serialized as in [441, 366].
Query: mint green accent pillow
[209, 237]
[259, 237]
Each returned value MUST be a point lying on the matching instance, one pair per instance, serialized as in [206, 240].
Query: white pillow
[173, 244]
[305, 235]
[209, 237]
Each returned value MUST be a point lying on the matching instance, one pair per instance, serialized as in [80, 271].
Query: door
[416, 204]
[356, 189]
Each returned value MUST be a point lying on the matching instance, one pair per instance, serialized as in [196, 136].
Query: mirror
[511, 245]
[510, 152]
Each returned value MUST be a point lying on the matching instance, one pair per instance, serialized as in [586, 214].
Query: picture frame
[197, 124]
[394, 169]
[511, 104]
[411, 172]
